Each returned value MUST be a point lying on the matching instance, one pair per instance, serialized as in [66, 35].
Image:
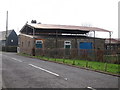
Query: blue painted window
[39, 44]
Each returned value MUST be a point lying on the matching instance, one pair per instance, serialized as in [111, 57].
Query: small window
[28, 43]
[22, 44]
[67, 44]
[39, 43]
[11, 40]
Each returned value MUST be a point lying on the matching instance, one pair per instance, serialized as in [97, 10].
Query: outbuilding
[58, 40]
[9, 42]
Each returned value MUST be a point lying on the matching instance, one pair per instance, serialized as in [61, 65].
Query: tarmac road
[23, 72]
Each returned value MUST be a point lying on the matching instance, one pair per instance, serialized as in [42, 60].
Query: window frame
[67, 43]
[41, 43]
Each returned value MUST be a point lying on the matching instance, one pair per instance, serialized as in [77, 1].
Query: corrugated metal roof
[67, 27]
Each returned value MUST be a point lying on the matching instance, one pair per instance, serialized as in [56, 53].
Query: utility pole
[6, 31]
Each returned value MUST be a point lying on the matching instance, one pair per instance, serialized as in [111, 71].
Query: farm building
[61, 40]
[114, 45]
[10, 42]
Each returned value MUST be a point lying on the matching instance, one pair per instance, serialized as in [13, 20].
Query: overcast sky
[96, 13]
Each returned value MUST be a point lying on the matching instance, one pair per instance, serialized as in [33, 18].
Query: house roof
[64, 28]
[68, 27]
[3, 34]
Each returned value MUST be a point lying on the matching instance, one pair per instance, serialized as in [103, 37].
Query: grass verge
[100, 66]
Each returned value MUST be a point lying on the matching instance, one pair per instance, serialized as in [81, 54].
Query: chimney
[34, 21]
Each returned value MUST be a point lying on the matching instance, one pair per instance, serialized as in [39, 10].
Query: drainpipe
[77, 47]
[56, 38]
[56, 43]
[110, 40]
[110, 33]
[33, 49]
[94, 47]
[94, 40]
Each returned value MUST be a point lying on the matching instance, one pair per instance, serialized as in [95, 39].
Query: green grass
[106, 67]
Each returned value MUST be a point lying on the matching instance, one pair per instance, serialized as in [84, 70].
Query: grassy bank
[101, 66]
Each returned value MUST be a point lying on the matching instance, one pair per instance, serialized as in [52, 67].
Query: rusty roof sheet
[67, 27]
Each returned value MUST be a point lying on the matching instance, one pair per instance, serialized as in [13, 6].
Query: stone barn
[58, 40]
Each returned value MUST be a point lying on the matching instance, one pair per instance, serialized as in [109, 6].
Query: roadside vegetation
[94, 65]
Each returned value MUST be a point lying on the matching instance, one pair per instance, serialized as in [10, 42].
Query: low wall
[10, 49]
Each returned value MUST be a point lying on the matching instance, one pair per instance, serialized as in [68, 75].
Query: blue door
[85, 45]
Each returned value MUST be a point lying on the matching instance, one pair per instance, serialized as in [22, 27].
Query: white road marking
[37, 67]
[13, 58]
[65, 78]
[16, 60]
[44, 70]
[91, 88]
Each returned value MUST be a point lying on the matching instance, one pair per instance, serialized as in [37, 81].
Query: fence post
[73, 62]
[55, 58]
[86, 63]
[63, 60]
[48, 57]
[64, 55]
[105, 66]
